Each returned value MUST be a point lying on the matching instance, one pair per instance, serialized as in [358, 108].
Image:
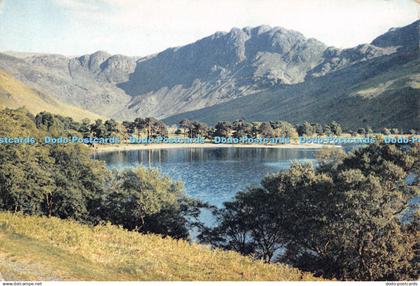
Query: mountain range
[259, 73]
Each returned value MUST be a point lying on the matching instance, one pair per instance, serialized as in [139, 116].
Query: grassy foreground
[40, 248]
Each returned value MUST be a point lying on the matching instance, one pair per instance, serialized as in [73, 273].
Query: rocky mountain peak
[407, 37]
[223, 67]
[93, 61]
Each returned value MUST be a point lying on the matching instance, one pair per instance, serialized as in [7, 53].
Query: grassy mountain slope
[378, 93]
[15, 94]
[40, 248]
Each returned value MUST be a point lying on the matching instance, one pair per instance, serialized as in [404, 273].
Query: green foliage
[136, 194]
[310, 129]
[244, 128]
[62, 180]
[153, 127]
[193, 128]
[266, 130]
[223, 129]
[329, 158]
[248, 225]
[343, 220]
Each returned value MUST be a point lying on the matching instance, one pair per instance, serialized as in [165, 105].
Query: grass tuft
[40, 248]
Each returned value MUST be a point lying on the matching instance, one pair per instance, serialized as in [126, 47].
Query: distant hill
[15, 94]
[257, 73]
[376, 86]
[373, 93]
[40, 248]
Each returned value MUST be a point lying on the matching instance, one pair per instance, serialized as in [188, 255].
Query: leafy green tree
[283, 129]
[329, 158]
[63, 181]
[24, 183]
[244, 128]
[152, 126]
[98, 129]
[44, 120]
[318, 129]
[78, 181]
[266, 130]
[248, 225]
[199, 129]
[186, 125]
[111, 127]
[223, 129]
[343, 220]
[361, 131]
[84, 128]
[136, 194]
[306, 129]
[335, 128]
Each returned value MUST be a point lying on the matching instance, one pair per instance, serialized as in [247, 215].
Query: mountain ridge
[211, 71]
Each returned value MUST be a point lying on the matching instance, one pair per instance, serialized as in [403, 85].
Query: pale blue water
[213, 175]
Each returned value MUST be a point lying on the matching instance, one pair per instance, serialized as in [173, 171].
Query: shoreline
[132, 147]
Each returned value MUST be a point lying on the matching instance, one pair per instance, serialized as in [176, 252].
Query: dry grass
[50, 248]
[15, 94]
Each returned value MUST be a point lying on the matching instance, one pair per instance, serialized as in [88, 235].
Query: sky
[144, 27]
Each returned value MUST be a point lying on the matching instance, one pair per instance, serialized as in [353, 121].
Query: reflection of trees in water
[153, 157]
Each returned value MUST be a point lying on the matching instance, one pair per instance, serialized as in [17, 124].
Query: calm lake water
[213, 175]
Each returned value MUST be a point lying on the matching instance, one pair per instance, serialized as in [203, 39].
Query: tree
[62, 180]
[84, 128]
[129, 126]
[306, 129]
[44, 120]
[152, 126]
[159, 129]
[38, 179]
[361, 131]
[318, 129]
[98, 129]
[266, 130]
[343, 220]
[395, 131]
[284, 129]
[186, 125]
[199, 129]
[243, 128]
[223, 129]
[335, 128]
[110, 127]
[248, 225]
[353, 220]
[135, 194]
[329, 158]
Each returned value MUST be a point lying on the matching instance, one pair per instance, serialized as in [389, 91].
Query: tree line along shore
[351, 217]
[151, 128]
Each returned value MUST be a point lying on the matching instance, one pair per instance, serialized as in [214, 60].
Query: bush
[63, 181]
[343, 220]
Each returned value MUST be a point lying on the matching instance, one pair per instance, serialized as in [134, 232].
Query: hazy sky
[142, 27]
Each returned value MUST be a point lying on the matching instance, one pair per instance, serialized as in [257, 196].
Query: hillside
[15, 94]
[73, 81]
[375, 85]
[260, 73]
[39, 248]
[352, 96]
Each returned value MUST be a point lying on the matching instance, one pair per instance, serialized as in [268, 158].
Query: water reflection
[213, 175]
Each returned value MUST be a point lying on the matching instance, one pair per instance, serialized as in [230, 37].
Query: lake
[213, 175]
